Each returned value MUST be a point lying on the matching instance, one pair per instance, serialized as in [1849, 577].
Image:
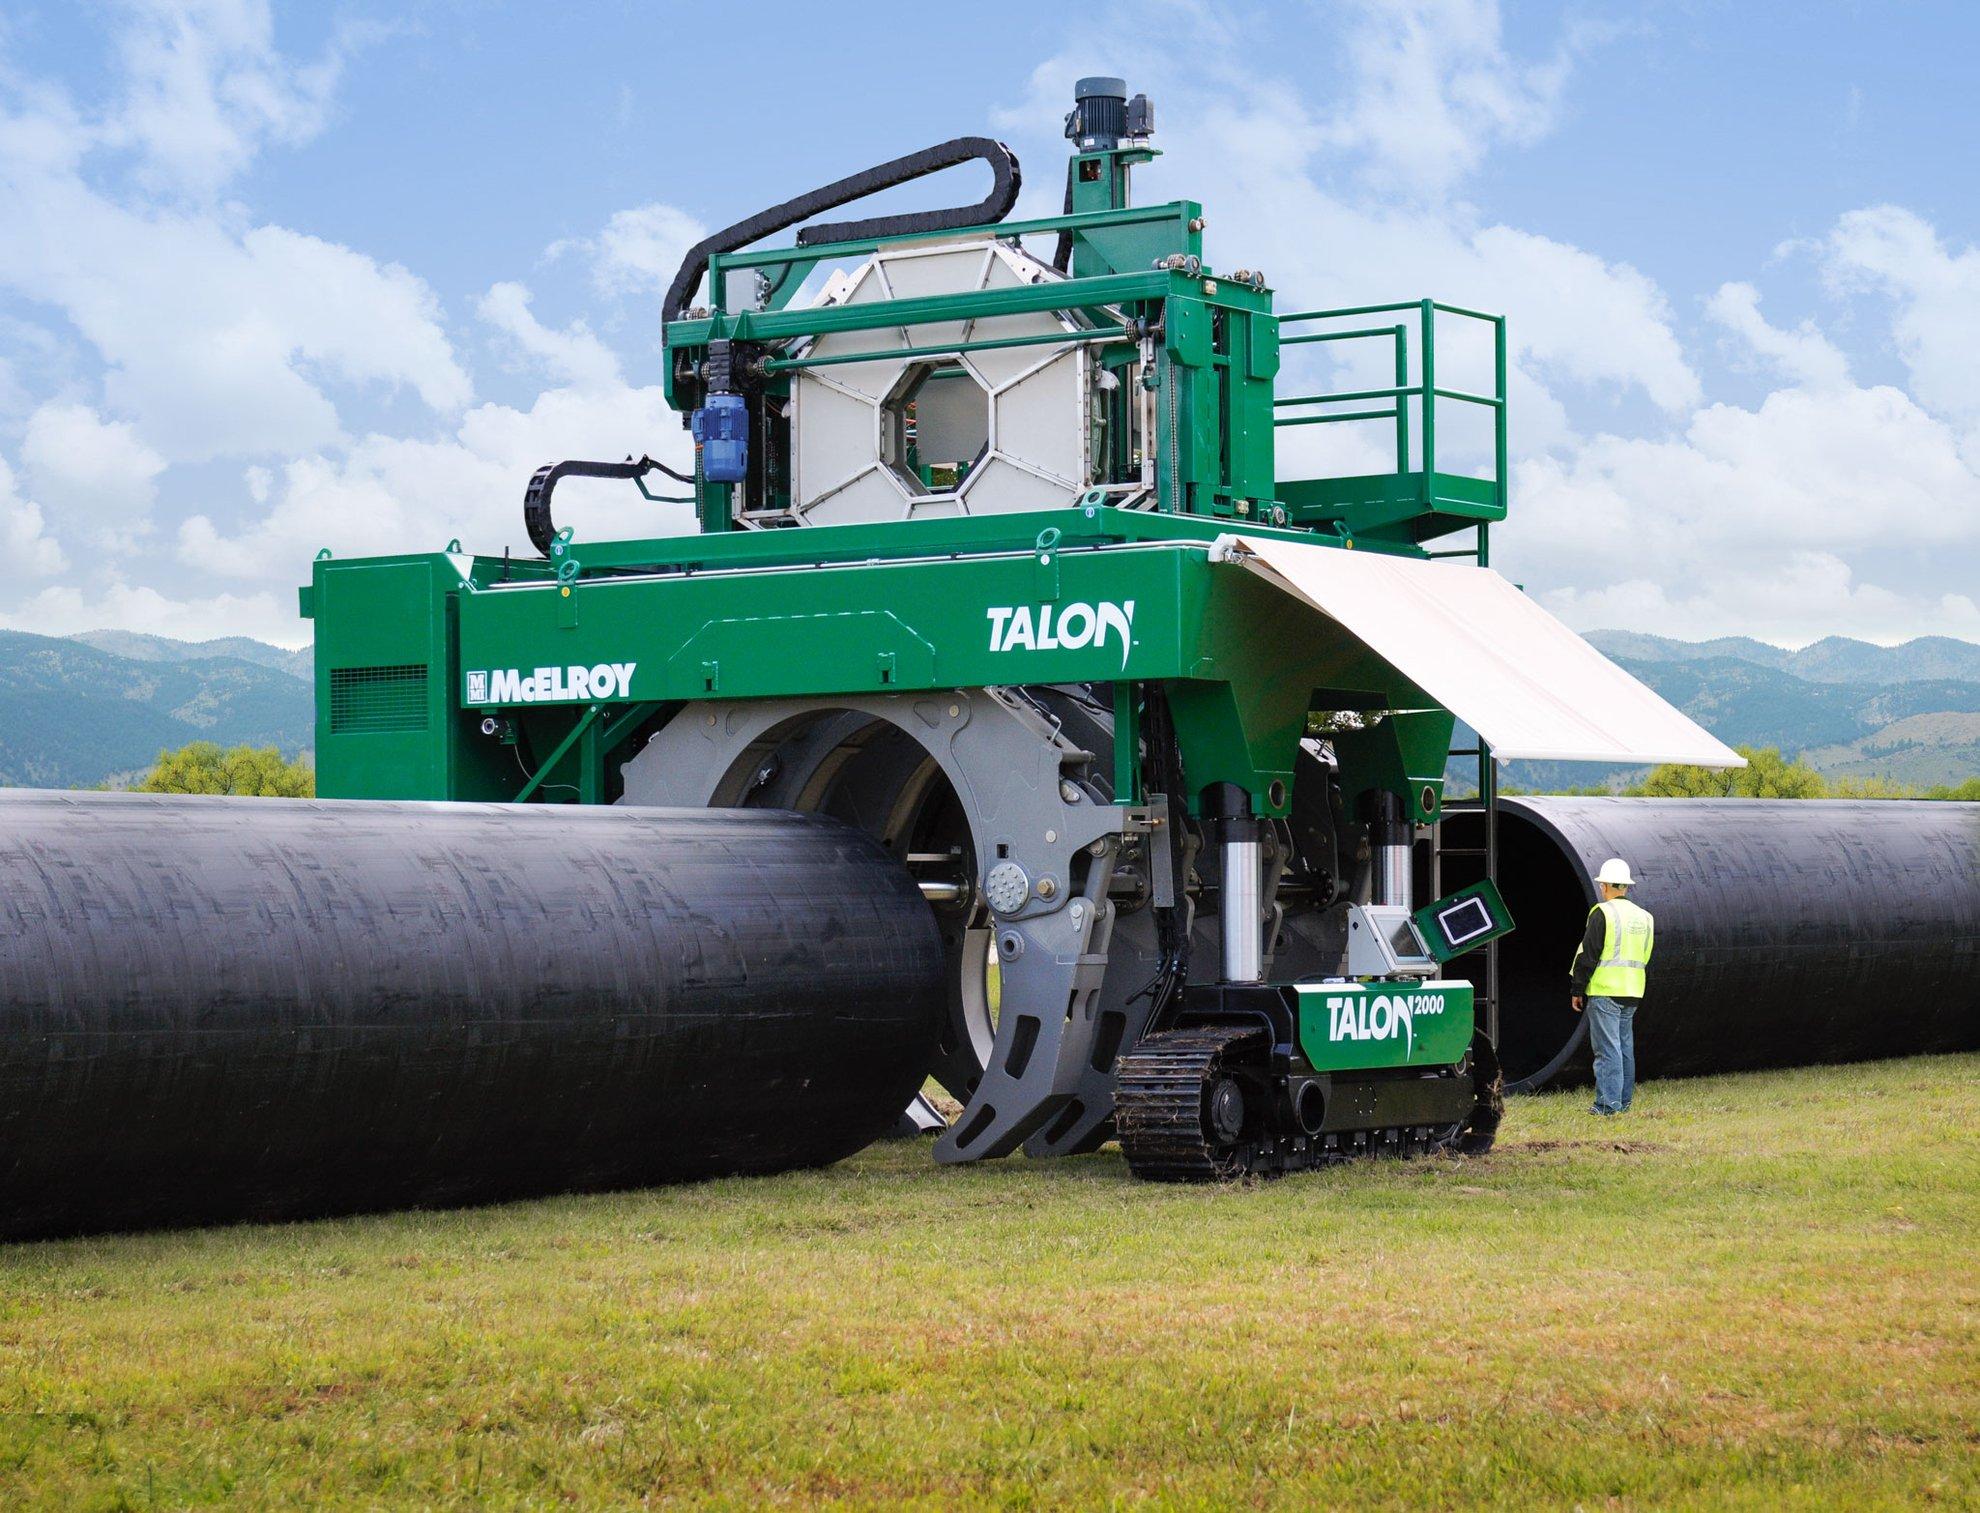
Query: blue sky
[344, 274]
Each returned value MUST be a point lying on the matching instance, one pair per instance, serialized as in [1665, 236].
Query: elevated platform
[1413, 506]
[1418, 501]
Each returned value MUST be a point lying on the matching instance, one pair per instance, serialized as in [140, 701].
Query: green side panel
[1244, 661]
[1254, 426]
[969, 622]
[1404, 754]
[382, 678]
[1188, 329]
[1364, 1026]
[414, 651]
[387, 723]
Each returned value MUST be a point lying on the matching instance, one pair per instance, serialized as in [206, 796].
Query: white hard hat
[1616, 870]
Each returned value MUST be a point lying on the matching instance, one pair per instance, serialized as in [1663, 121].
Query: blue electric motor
[721, 430]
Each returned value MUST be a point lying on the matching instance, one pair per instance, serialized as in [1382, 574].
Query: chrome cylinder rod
[1243, 905]
[1391, 842]
[1394, 879]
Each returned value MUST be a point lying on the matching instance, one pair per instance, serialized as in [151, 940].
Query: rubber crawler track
[1160, 1103]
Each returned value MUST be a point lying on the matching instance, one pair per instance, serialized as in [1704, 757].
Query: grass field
[1752, 1292]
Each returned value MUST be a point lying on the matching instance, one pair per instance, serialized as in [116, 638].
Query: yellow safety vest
[1626, 941]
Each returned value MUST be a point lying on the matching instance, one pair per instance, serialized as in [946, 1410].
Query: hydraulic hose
[537, 519]
[991, 208]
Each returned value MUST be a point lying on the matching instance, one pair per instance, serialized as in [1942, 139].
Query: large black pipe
[218, 1008]
[1789, 933]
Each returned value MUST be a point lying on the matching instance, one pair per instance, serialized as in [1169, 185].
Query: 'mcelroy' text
[550, 685]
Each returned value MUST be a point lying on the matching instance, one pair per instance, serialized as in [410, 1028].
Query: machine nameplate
[1349, 1026]
[549, 685]
[1024, 627]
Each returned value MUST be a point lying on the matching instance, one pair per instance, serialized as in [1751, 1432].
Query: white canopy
[1487, 653]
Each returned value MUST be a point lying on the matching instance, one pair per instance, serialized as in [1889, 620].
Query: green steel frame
[409, 647]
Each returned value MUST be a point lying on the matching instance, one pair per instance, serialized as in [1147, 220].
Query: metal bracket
[558, 752]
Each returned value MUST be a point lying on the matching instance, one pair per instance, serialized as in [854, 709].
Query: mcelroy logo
[549, 685]
[1380, 1016]
[1061, 627]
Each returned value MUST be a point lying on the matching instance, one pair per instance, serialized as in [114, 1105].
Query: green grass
[1752, 1292]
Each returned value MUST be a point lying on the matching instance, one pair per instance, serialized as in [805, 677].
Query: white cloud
[1716, 520]
[638, 251]
[25, 545]
[114, 604]
[573, 355]
[217, 337]
[216, 340]
[393, 494]
[1791, 600]
[1583, 318]
[1804, 354]
[1852, 468]
[96, 478]
[218, 344]
[1936, 327]
[1432, 90]
[204, 87]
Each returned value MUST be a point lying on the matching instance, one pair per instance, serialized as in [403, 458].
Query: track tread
[1158, 1104]
[1159, 1116]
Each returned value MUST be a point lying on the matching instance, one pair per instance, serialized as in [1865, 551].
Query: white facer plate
[1035, 400]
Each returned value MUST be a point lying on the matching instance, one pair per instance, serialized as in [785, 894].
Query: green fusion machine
[992, 557]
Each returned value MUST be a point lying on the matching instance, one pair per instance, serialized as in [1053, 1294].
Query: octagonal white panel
[1036, 397]
[1038, 419]
[912, 273]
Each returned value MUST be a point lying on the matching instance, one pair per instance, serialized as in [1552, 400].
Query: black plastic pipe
[216, 1009]
[1789, 933]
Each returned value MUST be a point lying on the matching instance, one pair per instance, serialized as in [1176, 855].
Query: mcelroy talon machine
[994, 561]
[1008, 716]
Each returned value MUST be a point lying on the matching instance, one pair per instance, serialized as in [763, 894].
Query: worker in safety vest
[1607, 976]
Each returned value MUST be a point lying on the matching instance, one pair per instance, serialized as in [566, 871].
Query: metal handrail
[1426, 390]
[1310, 336]
[1327, 420]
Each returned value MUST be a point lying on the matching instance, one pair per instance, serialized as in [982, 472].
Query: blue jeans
[1612, 1030]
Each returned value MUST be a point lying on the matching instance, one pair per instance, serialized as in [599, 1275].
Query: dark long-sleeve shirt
[1588, 953]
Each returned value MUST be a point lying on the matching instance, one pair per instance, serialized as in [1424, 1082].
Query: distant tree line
[1769, 775]
[255, 771]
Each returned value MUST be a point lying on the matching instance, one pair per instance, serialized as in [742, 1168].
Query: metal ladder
[1487, 998]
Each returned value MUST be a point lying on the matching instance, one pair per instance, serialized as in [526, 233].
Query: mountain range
[1835, 659]
[1909, 713]
[140, 647]
[98, 707]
